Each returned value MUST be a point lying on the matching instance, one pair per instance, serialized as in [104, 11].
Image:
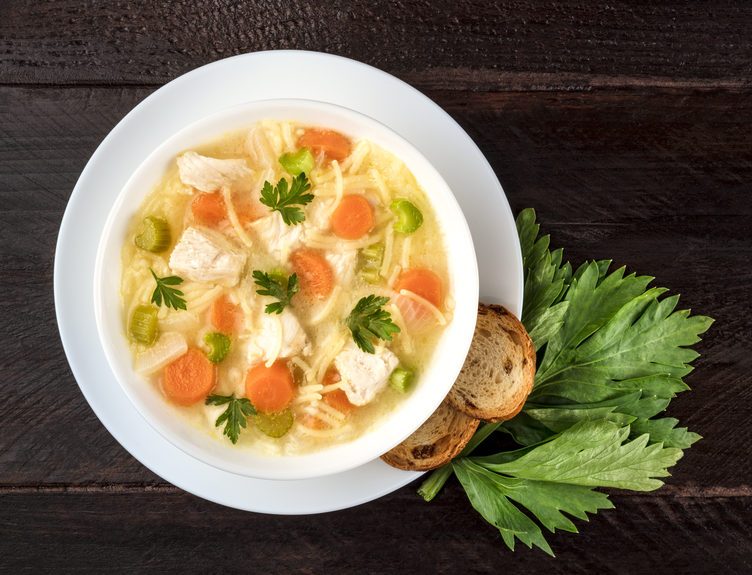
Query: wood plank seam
[666, 492]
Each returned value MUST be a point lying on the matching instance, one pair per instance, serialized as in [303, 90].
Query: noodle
[380, 186]
[405, 259]
[309, 336]
[388, 247]
[324, 312]
[227, 195]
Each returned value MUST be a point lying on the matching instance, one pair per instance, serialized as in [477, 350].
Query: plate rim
[65, 232]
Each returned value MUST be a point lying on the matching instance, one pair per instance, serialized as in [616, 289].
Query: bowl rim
[304, 468]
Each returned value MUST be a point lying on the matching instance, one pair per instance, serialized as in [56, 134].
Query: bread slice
[436, 442]
[499, 369]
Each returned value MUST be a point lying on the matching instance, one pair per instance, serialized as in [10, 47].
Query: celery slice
[370, 262]
[274, 424]
[143, 326]
[370, 276]
[408, 217]
[296, 163]
[155, 235]
[219, 346]
[374, 253]
[401, 379]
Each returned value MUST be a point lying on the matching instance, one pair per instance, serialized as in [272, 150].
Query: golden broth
[369, 171]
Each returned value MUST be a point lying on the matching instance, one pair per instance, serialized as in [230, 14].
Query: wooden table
[627, 128]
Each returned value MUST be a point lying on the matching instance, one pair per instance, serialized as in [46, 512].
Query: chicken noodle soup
[285, 286]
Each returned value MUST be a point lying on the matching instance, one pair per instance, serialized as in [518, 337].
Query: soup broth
[348, 254]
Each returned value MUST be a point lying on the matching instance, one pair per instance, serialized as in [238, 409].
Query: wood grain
[625, 124]
[525, 44]
[157, 532]
[610, 175]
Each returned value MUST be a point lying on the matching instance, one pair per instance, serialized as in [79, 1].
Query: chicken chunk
[211, 174]
[277, 335]
[364, 375]
[277, 238]
[343, 264]
[204, 255]
[317, 215]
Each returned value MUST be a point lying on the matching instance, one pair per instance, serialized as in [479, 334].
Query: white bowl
[433, 384]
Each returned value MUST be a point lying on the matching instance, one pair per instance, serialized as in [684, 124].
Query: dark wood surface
[627, 126]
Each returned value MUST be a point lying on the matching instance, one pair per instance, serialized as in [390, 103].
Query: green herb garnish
[276, 287]
[287, 201]
[171, 296]
[235, 416]
[368, 321]
[612, 355]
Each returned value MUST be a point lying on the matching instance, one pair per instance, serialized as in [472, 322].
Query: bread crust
[439, 440]
[512, 366]
[500, 343]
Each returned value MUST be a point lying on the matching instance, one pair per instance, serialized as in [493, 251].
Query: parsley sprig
[235, 416]
[287, 201]
[368, 321]
[277, 288]
[172, 297]
[612, 353]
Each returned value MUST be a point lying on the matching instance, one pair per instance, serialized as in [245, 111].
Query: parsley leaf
[277, 288]
[368, 321]
[235, 416]
[288, 201]
[172, 297]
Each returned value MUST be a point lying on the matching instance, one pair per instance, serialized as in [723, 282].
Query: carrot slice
[353, 217]
[331, 375]
[209, 209]
[189, 378]
[270, 389]
[248, 208]
[314, 272]
[422, 282]
[333, 144]
[225, 315]
[338, 400]
[313, 422]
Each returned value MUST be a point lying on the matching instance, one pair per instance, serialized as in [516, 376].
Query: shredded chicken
[211, 174]
[277, 336]
[204, 255]
[276, 236]
[364, 375]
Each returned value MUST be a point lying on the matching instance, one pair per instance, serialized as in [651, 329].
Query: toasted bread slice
[499, 369]
[436, 442]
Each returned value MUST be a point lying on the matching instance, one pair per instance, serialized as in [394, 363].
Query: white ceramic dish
[434, 382]
[259, 76]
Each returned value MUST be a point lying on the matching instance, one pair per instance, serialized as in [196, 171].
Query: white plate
[257, 76]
